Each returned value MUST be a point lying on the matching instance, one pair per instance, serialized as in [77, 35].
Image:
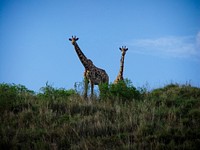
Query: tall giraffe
[120, 74]
[92, 74]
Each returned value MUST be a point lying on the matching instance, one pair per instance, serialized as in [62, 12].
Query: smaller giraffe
[120, 74]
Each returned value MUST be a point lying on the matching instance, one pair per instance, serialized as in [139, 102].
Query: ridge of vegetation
[124, 117]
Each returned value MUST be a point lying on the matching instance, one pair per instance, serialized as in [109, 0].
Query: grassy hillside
[124, 118]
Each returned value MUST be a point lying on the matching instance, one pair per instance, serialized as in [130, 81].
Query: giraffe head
[73, 39]
[123, 49]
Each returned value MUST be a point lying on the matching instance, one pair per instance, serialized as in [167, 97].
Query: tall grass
[164, 118]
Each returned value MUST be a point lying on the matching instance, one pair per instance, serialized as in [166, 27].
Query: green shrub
[12, 95]
[50, 93]
[122, 91]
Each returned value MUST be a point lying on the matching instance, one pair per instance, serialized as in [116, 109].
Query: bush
[50, 93]
[12, 95]
[122, 91]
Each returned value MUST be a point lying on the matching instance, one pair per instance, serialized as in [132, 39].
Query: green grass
[123, 118]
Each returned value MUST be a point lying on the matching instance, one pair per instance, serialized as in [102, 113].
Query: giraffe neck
[120, 75]
[81, 56]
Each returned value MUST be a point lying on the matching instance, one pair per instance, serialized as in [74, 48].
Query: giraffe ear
[77, 39]
[70, 39]
[120, 49]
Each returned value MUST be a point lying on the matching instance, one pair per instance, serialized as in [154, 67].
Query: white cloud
[185, 46]
[198, 40]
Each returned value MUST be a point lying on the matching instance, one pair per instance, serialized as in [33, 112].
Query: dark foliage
[123, 118]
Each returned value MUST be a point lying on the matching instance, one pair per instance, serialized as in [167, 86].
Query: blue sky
[163, 37]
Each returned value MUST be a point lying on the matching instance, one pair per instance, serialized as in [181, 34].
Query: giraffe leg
[85, 87]
[92, 89]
